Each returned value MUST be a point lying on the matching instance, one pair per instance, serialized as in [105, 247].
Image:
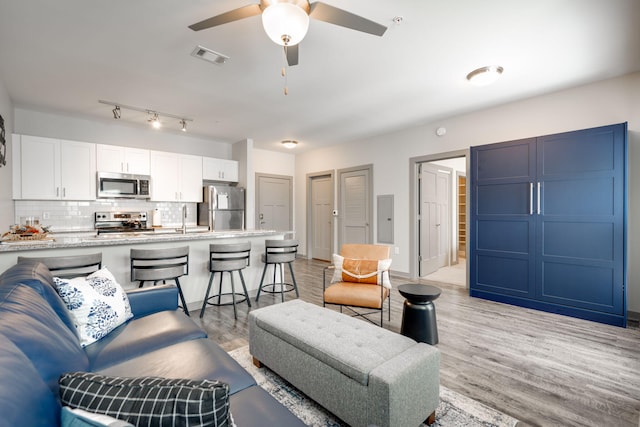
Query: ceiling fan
[286, 21]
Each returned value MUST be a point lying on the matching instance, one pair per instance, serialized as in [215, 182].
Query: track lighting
[155, 120]
[153, 116]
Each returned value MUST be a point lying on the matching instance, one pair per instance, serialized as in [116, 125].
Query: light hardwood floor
[541, 368]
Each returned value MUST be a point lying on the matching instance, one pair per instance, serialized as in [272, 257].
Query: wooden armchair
[360, 279]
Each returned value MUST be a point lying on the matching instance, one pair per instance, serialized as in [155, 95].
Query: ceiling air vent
[209, 55]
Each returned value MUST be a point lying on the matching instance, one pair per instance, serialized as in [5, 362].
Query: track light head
[155, 121]
[116, 112]
[183, 122]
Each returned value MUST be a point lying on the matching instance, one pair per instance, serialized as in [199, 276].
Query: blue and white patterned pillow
[97, 302]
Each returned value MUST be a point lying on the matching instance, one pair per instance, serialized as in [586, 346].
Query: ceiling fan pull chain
[284, 72]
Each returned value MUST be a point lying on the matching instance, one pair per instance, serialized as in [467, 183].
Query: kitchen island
[115, 254]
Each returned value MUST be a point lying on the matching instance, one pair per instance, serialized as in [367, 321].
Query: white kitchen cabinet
[53, 169]
[175, 177]
[219, 169]
[114, 158]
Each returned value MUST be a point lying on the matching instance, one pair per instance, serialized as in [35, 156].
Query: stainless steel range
[121, 222]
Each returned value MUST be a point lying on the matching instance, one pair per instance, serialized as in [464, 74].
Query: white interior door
[274, 203]
[355, 206]
[435, 186]
[321, 217]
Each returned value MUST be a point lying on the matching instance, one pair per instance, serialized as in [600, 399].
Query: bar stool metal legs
[278, 253]
[227, 258]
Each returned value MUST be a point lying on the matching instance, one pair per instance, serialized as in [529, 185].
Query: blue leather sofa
[38, 343]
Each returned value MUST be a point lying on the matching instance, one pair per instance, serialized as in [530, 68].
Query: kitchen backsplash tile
[75, 215]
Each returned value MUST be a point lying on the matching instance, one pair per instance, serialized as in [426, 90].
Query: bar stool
[278, 253]
[67, 267]
[160, 265]
[227, 258]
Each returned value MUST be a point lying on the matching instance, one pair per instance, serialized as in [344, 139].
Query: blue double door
[548, 223]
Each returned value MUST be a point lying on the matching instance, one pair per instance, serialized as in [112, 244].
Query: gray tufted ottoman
[360, 372]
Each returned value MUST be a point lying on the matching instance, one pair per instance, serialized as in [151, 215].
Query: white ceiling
[65, 55]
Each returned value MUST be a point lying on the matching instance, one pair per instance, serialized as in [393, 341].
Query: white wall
[6, 203]
[603, 103]
[114, 132]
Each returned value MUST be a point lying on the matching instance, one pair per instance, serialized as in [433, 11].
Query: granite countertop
[70, 240]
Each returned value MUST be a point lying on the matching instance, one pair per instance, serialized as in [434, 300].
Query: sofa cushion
[97, 302]
[149, 400]
[34, 327]
[25, 399]
[314, 330]
[196, 359]
[37, 276]
[81, 418]
[139, 336]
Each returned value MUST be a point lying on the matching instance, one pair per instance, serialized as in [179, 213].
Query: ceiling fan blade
[292, 54]
[223, 18]
[333, 15]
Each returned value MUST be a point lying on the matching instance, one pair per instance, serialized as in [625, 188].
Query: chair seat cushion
[356, 294]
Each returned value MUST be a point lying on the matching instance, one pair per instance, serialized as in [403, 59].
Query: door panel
[274, 203]
[321, 218]
[502, 218]
[435, 187]
[355, 206]
[580, 228]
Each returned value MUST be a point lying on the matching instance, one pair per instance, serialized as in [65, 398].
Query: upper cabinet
[175, 177]
[53, 169]
[112, 158]
[219, 169]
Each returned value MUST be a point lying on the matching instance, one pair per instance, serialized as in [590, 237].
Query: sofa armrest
[145, 301]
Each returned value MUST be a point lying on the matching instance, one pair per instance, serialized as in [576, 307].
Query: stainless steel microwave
[122, 185]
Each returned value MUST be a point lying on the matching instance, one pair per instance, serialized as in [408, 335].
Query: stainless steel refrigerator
[222, 208]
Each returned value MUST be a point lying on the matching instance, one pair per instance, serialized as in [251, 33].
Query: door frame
[340, 172]
[414, 200]
[310, 178]
[257, 197]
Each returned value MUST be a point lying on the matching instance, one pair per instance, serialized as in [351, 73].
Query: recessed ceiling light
[485, 75]
[209, 55]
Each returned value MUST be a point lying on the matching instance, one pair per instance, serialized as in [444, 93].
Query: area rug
[454, 409]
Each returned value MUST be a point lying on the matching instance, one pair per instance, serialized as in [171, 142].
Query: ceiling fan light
[485, 76]
[285, 23]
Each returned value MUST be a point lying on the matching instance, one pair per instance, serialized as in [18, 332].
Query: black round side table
[419, 313]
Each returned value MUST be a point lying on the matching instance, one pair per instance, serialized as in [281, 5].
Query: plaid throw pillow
[149, 401]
